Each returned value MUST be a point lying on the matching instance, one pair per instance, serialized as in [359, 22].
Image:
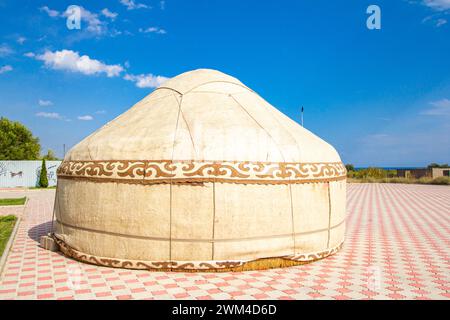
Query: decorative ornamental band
[182, 266]
[168, 171]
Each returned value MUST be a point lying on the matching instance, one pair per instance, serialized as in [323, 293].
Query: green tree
[436, 165]
[50, 155]
[17, 142]
[43, 180]
[350, 167]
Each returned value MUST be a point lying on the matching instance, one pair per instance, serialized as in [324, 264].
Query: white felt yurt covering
[202, 174]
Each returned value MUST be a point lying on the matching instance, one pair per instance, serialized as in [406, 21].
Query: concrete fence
[26, 173]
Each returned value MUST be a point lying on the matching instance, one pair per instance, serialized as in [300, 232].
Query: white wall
[26, 173]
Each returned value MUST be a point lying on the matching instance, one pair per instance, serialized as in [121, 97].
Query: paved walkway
[397, 247]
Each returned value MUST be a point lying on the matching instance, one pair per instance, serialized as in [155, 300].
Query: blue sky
[381, 97]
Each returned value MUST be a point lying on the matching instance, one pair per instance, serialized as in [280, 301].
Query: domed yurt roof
[202, 174]
[205, 115]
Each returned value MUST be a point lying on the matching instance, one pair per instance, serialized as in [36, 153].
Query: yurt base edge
[197, 266]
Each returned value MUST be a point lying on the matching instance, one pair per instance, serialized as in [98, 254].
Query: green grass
[13, 202]
[6, 227]
[436, 181]
[53, 187]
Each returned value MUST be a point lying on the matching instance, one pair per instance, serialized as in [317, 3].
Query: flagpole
[302, 115]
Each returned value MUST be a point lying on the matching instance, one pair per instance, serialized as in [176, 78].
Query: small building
[415, 173]
[440, 172]
[418, 173]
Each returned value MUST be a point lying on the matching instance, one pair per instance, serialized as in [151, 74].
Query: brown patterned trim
[204, 266]
[305, 257]
[167, 171]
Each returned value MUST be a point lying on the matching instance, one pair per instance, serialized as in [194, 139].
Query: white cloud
[132, 5]
[115, 33]
[440, 22]
[21, 40]
[439, 5]
[100, 112]
[6, 68]
[153, 30]
[85, 118]
[441, 8]
[94, 24]
[29, 54]
[109, 14]
[69, 60]
[435, 20]
[438, 108]
[45, 103]
[5, 50]
[50, 12]
[146, 80]
[50, 115]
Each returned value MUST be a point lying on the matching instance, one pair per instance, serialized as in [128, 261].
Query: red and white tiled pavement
[397, 247]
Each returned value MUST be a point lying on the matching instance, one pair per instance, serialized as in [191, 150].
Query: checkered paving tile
[397, 247]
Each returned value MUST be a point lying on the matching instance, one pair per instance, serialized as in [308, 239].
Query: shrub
[369, 173]
[43, 180]
[376, 173]
[352, 174]
[391, 173]
[441, 180]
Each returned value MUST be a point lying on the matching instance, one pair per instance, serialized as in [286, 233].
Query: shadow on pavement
[39, 230]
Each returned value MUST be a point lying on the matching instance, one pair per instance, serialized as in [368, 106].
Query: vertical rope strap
[282, 156]
[214, 220]
[329, 215]
[292, 218]
[171, 182]
[52, 230]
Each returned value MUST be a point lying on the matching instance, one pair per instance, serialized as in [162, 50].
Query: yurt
[201, 175]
